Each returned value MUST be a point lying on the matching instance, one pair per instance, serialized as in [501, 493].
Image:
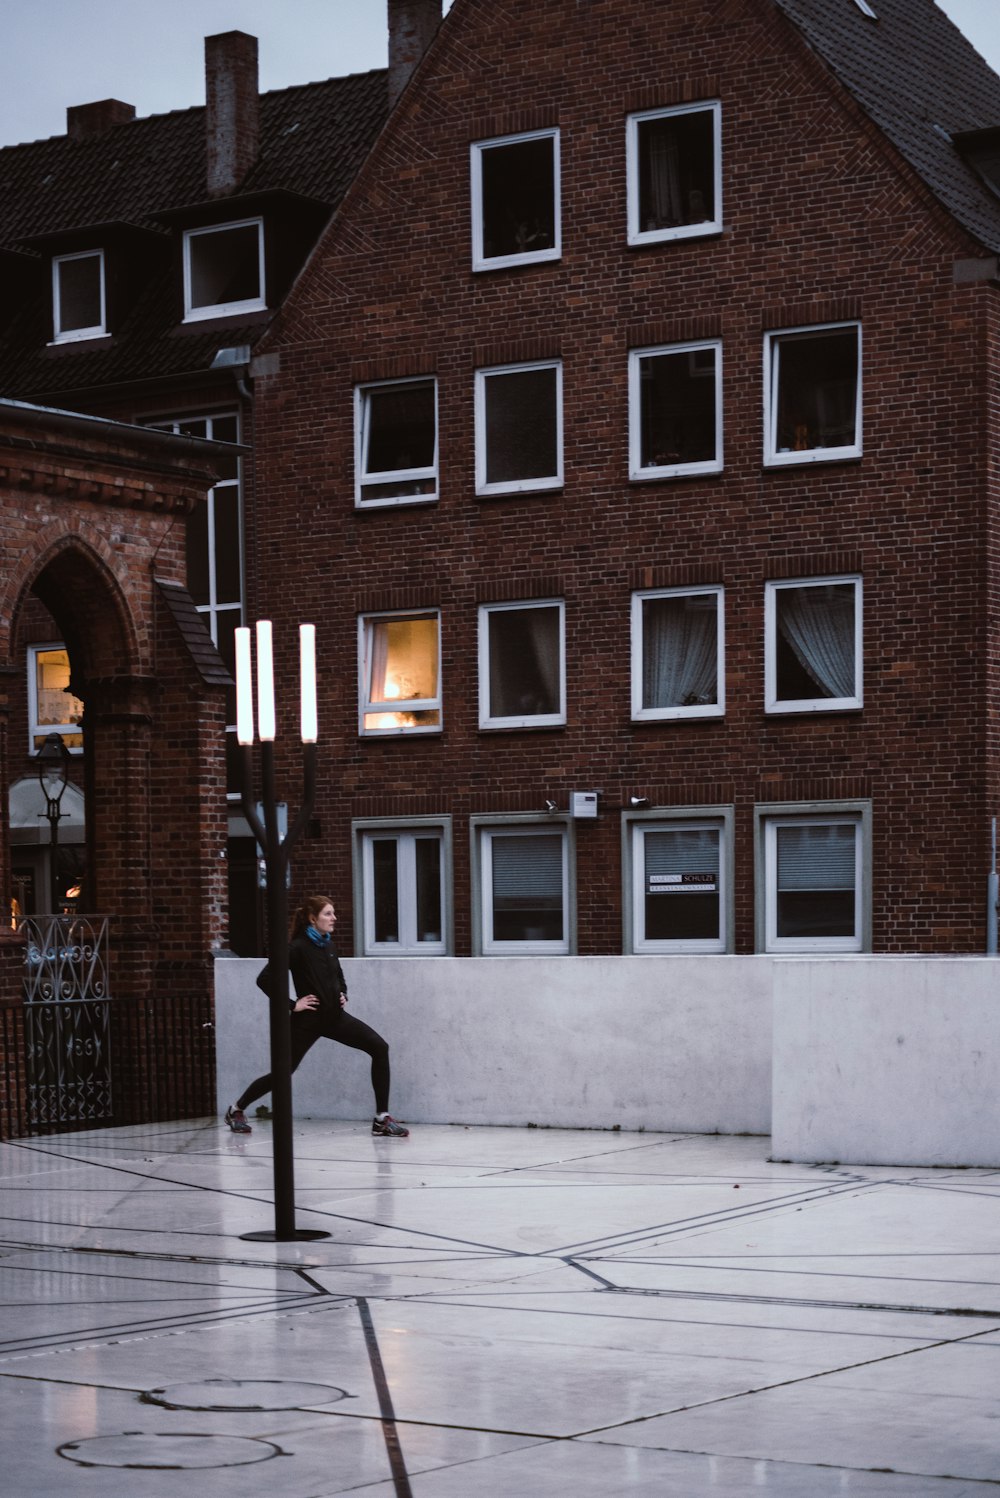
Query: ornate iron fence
[66, 1015]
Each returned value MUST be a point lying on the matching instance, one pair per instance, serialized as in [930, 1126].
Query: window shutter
[527, 866]
[689, 850]
[817, 857]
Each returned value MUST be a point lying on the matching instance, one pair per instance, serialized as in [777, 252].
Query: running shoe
[237, 1121]
[387, 1127]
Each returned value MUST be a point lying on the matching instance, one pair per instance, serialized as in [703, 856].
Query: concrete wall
[667, 1043]
[887, 1061]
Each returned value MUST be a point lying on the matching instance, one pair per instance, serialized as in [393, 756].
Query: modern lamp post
[53, 777]
[276, 851]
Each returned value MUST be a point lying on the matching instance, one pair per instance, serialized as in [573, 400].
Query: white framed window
[224, 270]
[215, 550]
[674, 159]
[515, 200]
[813, 645]
[522, 664]
[402, 888]
[400, 673]
[816, 894]
[395, 442]
[52, 708]
[812, 394]
[79, 299]
[679, 895]
[675, 410]
[678, 653]
[519, 428]
[525, 897]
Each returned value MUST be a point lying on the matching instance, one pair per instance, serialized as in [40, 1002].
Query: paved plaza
[497, 1313]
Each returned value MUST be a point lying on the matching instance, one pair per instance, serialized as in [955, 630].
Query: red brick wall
[822, 222]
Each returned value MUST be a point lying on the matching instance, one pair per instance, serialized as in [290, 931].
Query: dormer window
[79, 307]
[224, 270]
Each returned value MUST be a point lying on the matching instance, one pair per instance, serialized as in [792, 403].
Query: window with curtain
[395, 442]
[813, 658]
[677, 871]
[677, 654]
[675, 410]
[813, 394]
[523, 874]
[813, 878]
[400, 671]
[224, 270]
[518, 428]
[674, 173]
[515, 200]
[403, 892]
[521, 665]
[78, 297]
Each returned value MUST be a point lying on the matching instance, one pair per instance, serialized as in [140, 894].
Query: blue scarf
[321, 938]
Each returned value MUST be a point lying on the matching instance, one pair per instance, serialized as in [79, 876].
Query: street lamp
[276, 850]
[53, 777]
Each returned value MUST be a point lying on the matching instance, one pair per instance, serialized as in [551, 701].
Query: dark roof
[922, 83]
[133, 178]
[204, 655]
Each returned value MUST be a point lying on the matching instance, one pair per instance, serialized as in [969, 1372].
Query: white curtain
[378, 660]
[818, 624]
[664, 178]
[679, 653]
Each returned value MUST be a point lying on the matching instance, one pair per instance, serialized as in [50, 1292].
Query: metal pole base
[293, 1235]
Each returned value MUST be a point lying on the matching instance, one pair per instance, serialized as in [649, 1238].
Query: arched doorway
[99, 578]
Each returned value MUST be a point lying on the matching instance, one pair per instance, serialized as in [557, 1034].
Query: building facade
[631, 437]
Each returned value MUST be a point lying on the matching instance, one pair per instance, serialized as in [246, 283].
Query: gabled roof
[135, 176]
[922, 83]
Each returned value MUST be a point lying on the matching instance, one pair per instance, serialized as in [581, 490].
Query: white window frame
[773, 458]
[638, 235]
[410, 704]
[75, 335]
[767, 819]
[224, 309]
[636, 471]
[480, 261]
[532, 720]
[362, 410]
[517, 486]
[405, 831]
[714, 709]
[482, 831]
[41, 730]
[635, 825]
[810, 704]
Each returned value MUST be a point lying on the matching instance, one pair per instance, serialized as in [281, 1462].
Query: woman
[321, 990]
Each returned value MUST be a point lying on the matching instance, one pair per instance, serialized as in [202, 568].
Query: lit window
[515, 200]
[522, 671]
[224, 270]
[677, 654]
[78, 297]
[812, 394]
[675, 410]
[518, 428]
[395, 442]
[524, 879]
[813, 651]
[814, 897]
[400, 670]
[679, 885]
[674, 173]
[403, 897]
[52, 708]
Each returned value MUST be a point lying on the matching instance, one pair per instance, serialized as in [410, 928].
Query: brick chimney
[412, 24]
[84, 120]
[232, 109]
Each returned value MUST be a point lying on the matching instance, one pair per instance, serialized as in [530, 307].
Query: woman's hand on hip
[307, 1001]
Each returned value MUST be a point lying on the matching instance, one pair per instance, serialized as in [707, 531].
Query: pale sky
[150, 53]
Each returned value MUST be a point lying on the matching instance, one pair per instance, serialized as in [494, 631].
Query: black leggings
[346, 1030]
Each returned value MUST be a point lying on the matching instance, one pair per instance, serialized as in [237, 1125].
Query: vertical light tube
[307, 679]
[265, 682]
[244, 688]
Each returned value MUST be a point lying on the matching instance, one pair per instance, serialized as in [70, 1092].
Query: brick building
[632, 437]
